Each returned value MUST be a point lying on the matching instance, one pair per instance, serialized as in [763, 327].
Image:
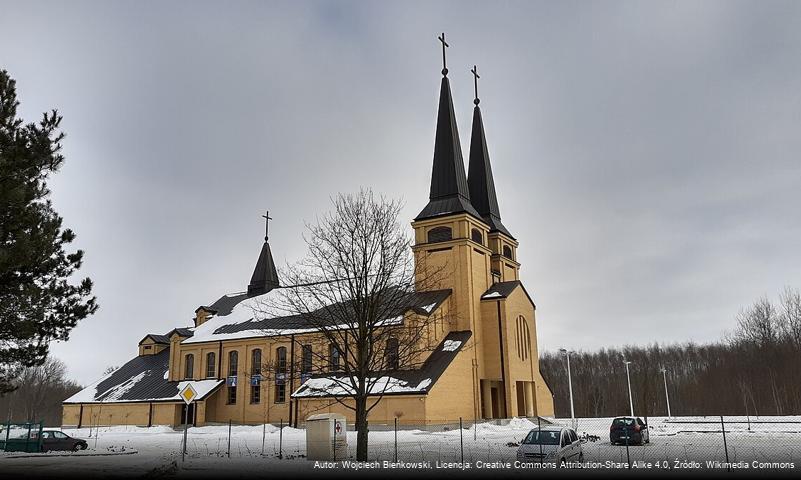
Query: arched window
[333, 358]
[507, 252]
[477, 236]
[189, 373]
[255, 361]
[440, 234]
[233, 363]
[211, 364]
[280, 360]
[522, 339]
[393, 360]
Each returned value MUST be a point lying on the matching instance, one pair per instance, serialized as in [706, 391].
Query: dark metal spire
[449, 191]
[265, 277]
[481, 184]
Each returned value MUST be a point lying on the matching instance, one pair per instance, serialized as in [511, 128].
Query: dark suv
[58, 440]
[632, 427]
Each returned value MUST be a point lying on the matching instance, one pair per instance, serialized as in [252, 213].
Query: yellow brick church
[484, 363]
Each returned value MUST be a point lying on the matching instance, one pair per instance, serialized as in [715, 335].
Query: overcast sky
[647, 155]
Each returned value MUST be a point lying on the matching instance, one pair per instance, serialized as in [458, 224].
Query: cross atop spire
[444, 44]
[267, 218]
[475, 83]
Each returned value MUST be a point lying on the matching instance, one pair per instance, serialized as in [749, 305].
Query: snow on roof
[142, 379]
[339, 386]
[253, 318]
[451, 345]
[419, 381]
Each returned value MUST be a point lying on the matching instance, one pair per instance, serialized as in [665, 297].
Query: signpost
[188, 395]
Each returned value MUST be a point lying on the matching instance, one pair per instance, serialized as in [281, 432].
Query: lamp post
[667, 397]
[570, 386]
[628, 380]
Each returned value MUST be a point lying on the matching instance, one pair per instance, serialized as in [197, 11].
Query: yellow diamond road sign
[188, 393]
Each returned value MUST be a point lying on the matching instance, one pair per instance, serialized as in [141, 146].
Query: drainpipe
[150, 416]
[503, 368]
[291, 377]
[80, 417]
[219, 360]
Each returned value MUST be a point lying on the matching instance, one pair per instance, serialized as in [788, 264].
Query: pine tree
[38, 303]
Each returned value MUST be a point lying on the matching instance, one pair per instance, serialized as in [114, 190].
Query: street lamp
[667, 397]
[570, 386]
[628, 379]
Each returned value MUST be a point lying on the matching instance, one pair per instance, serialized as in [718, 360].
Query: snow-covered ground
[255, 449]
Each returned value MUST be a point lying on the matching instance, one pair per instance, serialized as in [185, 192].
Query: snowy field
[676, 443]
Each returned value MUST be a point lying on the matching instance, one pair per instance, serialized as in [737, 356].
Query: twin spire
[451, 191]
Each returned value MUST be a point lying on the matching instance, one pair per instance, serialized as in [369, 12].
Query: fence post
[396, 439]
[539, 436]
[725, 446]
[281, 440]
[628, 457]
[229, 438]
[461, 439]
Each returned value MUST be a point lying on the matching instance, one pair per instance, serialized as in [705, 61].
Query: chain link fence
[665, 443]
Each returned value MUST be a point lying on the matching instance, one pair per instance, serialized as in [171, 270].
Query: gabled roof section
[400, 382]
[143, 379]
[225, 304]
[449, 192]
[502, 290]
[480, 181]
[181, 331]
[161, 339]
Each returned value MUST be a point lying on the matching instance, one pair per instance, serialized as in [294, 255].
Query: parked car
[58, 440]
[551, 444]
[632, 427]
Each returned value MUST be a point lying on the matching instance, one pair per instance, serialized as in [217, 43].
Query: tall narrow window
[280, 360]
[255, 361]
[392, 354]
[306, 359]
[211, 365]
[189, 373]
[333, 358]
[231, 395]
[507, 252]
[233, 363]
[523, 338]
[255, 394]
[280, 392]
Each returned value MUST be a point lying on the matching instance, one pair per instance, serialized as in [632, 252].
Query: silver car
[551, 444]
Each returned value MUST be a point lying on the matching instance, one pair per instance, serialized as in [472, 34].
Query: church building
[484, 363]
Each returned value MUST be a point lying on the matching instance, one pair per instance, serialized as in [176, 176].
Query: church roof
[502, 290]
[251, 318]
[398, 382]
[449, 192]
[480, 181]
[142, 379]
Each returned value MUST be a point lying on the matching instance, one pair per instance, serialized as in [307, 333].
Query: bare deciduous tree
[39, 393]
[356, 289]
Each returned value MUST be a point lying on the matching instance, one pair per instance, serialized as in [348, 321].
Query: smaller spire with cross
[475, 84]
[444, 64]
[267, 219]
